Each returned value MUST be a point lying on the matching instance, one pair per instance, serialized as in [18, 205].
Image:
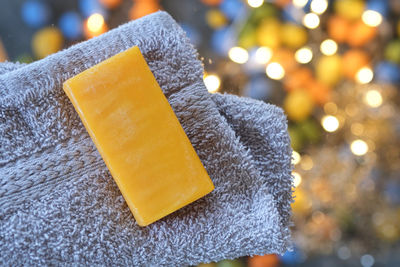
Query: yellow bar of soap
[138, 135]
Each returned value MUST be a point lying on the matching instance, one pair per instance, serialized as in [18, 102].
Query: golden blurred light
[303, 55]
[359, 147]
[263, 55]
[296, 179]
[364, 75]
[255, 3]
[351, 109]
[330, 108]
[95, 22]
[373, 98]
[238, 55]
[328, 47]
[299, 3]
[357, 128]
[311, 20]
[372, 18]
[318, 217]
[319, 6]
[275, 71]
[295, 157]
[330, 123]
[306, 163]
[212, 82]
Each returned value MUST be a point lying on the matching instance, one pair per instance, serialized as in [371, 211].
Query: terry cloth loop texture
[60, 205]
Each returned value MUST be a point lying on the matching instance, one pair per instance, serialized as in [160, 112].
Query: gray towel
[60, 205]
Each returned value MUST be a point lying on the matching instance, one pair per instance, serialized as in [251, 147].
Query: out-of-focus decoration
[285, 58]
[216, 19]
[110, 3]
[212, 264]
[292, 257]
[223, 40]
[47, 41]
[298, 105]
[293, 36]
[373, 98]
[70, 24]
[90, 7]
[304, 55]
[258, 88]
[319, 6]
[372, 18]
[271, 260]
[338, 28]
[364, 75]
[212, 82]
[311, 20]
[232, 8]
[360, 34]
[330, 123]
[392, 51]
[334, 67]
[350, 9]
[268, 33]
[255, 3]
[238, 55]
[359, 147]
[263, 54]
[275, 71]
[387, 72]
[328, 47]
[230, 263]
[212, 2]
[329, 69]
[3, 53]
[95, 25]
[35, 13]
[353, 61]
[142, 8]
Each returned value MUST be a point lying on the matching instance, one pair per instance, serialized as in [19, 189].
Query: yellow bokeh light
[330, 108]
[306, 163]
[372, 18]
[255, 3]
[330, 123]
[95, 22]
[328, 47]
[311, 20]
[359, 147]
[263, 55]
[319, 6]
[303, 55]
[275, 71]
[299, 3]
[357, 128]
[364, 75]
[295, 157]
[296, 179]
[212, 82]
[373, 98]
[238, 55]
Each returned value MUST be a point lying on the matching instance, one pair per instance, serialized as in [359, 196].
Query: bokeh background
[333, 66]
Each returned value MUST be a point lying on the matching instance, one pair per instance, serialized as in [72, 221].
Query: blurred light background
[334, 67]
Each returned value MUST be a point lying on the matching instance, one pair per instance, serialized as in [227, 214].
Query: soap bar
[138, 136]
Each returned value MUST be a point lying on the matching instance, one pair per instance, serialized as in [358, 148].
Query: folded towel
[60, 205]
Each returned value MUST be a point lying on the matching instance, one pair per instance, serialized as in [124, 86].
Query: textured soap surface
[138, 136]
